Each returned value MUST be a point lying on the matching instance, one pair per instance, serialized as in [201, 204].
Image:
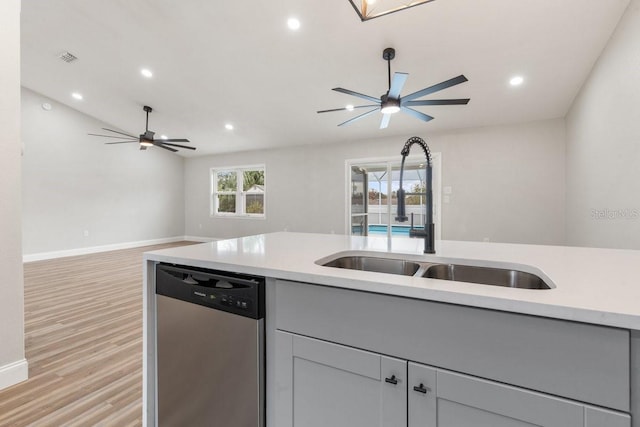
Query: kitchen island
[571, 352]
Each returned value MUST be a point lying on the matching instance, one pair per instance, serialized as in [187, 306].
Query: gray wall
[73, 182]
[507, 182]
[603, 146]
[11, 284]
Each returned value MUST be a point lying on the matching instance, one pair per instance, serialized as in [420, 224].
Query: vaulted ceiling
[218, 62]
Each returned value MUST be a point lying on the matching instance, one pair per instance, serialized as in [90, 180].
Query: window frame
[239, 193]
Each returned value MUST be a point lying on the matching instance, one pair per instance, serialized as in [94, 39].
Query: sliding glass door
[379, 180]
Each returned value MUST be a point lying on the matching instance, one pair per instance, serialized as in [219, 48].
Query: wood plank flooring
[83, 330]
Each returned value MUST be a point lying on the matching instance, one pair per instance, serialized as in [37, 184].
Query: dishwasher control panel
[232, 292]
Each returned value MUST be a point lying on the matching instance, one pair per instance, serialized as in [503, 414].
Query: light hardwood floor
[83, 327]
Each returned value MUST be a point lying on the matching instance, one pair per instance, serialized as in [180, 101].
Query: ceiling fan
[146, 139]
[391, 102]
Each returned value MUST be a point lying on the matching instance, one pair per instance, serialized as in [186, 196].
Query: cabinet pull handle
[393, 380]
[421, 389]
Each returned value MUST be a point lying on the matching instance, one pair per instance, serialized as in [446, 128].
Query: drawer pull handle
[421, 389]
[393, 380]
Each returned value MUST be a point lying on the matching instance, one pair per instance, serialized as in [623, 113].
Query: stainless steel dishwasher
[210, 348]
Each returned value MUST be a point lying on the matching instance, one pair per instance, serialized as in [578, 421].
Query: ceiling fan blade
[175, 145]
[385, 121]
[121, 133]
[435, 88]
[399, 79]
[359, 95]
[347, 109]
[358, 117]
[105, 136]
[417, 114]
[173, 140]
[122, 142]
[437, 102]
[165, 147]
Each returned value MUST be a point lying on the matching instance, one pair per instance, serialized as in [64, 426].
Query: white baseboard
[104, 248]
[14, 373]
[200, 239]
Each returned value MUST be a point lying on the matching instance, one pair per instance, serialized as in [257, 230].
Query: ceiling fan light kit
[370, 9]
[146, 139]
[391, 102]
[389, 106]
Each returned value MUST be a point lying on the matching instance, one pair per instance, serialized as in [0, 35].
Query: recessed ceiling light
[164, 137]
[293, 24]
[228, 126]
[516, 81]
[146, 72]
[77, 96]
[370, 2]
[349, 107]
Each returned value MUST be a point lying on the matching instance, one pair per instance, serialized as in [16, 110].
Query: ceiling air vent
[67, 57]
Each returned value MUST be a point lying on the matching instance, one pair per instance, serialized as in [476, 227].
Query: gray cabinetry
[597, 417]
[581, 362]
[321, 383]
[455, 400]
[456, 366]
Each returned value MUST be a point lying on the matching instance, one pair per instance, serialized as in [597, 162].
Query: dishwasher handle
[198, 279]
[202, 278]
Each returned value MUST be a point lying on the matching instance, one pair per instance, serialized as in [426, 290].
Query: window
[238, 191]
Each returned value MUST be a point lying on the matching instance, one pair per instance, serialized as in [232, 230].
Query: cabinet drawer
[583, 362]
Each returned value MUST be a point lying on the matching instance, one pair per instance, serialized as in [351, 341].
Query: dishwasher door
[210, 369]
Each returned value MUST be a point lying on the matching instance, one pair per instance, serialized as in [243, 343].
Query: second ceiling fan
[146, 139]
[392, 102]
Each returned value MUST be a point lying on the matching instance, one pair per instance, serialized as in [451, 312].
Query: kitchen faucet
[428, 232]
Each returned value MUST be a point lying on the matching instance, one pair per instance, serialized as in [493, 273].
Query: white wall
[507, 182]
[603, 146]
[13, 367]
[73, 182]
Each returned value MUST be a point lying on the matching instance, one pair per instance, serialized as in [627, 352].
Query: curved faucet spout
[429, 228]
[421, 143]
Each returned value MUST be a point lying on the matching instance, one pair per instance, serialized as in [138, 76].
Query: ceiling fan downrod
[388, 54]
[148, 110]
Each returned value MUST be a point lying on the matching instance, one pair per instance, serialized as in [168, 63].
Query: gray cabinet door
[596, 417]
[323, 384]
[454, 400]
[421, 397]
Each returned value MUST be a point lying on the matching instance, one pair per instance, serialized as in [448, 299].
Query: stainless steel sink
[494, 276]
[378, 265]
[486, 276]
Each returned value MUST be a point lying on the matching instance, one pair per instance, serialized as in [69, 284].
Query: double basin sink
[484, 275]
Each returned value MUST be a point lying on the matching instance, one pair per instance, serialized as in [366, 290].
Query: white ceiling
[230, 61]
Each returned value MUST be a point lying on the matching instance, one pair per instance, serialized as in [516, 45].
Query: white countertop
[599, 286]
